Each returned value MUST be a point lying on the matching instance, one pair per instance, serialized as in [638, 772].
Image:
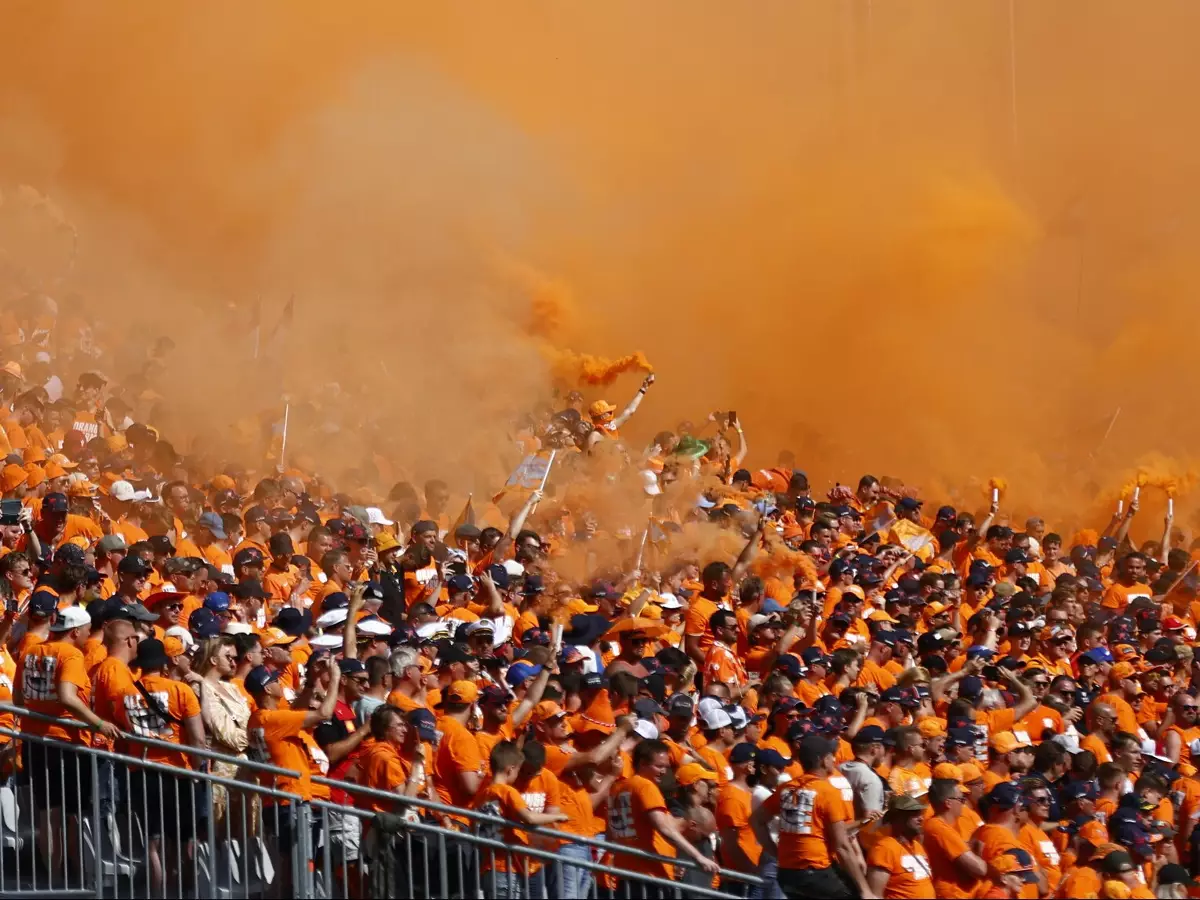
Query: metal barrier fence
[79, 821]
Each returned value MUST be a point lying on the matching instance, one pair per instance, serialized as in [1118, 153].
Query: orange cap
[107, 480]
[579, 606]
[172, 646]
[547, 710]
[222, 483]
[970, 772]
[63, 461]
[37, 475]
[54, 470]
[948, 770]
[1006, 742]
[116, 442]
[1007, 865]
[1094, 833]
[462, 692]
[33, 454]
[12, 477]
[272, 637]
[1122, 670]
[931, 727]
[690, 773]
[385, 541]
[82, 488]
[425, 664]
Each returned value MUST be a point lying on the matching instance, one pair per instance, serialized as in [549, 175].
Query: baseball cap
[494, 695]
[425, 723]
[351, 666]
[217, 601]
[948, 770]
[69, 618]
[690, 773]
[1007, 741]
[645, 729]
[248, 556]
[905, 803]
[293, 621]
[742, 754]
[868, 734]
[43, 604]
[961, 737]
[111, 542]
[716, 718]
[258, 678]
[460, 692]
[680, 705]
[1004, 795]
[1098, 655]
[547, 710]
[212, 522]
[773, 758]
[202, 623]
[134, 565]
[519, 672]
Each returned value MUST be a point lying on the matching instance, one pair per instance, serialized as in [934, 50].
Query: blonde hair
[206, 651]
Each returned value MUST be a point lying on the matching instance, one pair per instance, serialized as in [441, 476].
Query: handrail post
[97, 829]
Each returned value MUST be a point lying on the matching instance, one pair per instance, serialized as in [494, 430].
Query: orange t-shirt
[944, 845]
[909, 872]
[695, 621]
[382, 766]
[1118, 596]
[576, 803]
[138, 717]
[733, 813]
[505, 801]
[1043, 851]
[277, 736]
[42, 670]
[111, 680]
[806, 808]
[458, 752]
[629, 807]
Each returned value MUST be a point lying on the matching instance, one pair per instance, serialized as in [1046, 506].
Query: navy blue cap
[217, 601]
[43, 604]
[460, 583]
[971, 687]
[336, 600]
[1004, 795]
[978, 651]
[55, 503]
[961, 737]
[134, 565]
[742, 754]
[351, 666]
[868, 734]
[1076, 790]
[70, 554]
[1016, 555]
[248, 556]
[1029, 876]
[908, 503]
[533, 585]
[537, 637]
[1098, 655]
[425, 723]
[592, 680]
[499, 576]
[680, 705]
[202, 623]
[293, 621]
[773, 758]
[946, 512]
[789, 664]
[813, 656]
[258, 678]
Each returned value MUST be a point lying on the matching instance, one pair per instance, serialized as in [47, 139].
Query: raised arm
[629, 410]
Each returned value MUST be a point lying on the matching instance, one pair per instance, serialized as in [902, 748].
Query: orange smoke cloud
[837, 219]
[570, 368]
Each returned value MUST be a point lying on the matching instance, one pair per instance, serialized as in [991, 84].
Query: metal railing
[133, 827]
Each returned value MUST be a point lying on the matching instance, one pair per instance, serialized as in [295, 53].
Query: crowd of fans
[863, 697]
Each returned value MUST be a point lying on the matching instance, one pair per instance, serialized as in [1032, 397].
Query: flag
[466, 517]
[285, 320]
[256, 324]
[527, 476]
[913, 538]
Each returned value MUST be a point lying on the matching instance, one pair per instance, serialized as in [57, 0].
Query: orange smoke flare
[569, 367]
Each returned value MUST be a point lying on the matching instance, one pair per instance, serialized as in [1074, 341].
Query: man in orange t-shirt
[162, 709]
[283, 737]
[813, 819]
[897, 865]
[52, 680]
[638, 817]
[957, 872]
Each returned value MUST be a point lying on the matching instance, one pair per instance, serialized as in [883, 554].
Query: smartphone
[731, 418]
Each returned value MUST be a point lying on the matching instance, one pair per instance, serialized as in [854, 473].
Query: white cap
[716, 718]
[650, 483]
[372, 625]
[123, 491]
[669, 601]
[646, 729]
[513, 568]
[706, 704]
[758, 619]
[737, 716]
[185, 636]
[331, 618]
[326, 641]
[432, 631]
[237, 628]
[71, 617]
[375, 516]
[41, 356]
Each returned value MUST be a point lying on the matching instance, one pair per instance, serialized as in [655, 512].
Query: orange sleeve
[948, 840]
[74, 671]
[465, 754]
[883, 855]
[511, 801]
[188, 703]
[649, 796]
[279, 724]
[835, 809]
[1001, 720]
